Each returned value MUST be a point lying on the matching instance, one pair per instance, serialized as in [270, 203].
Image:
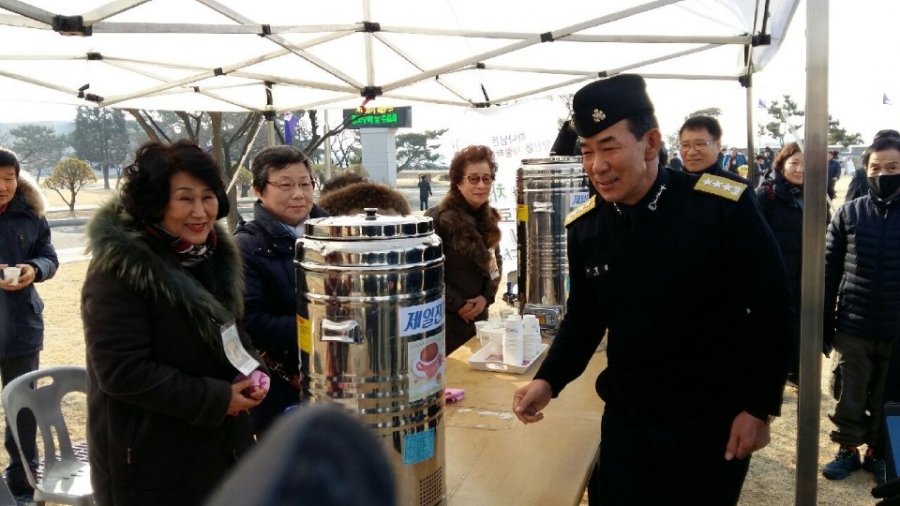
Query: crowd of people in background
[171, 409]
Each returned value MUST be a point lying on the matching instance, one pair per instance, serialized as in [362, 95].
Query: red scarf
[3, 209]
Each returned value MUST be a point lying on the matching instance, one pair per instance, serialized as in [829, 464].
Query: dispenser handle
[341, 332]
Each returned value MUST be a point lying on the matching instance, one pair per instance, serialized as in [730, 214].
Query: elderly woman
[283, 184]
[167, 400]
[468, 226]
[781, 201]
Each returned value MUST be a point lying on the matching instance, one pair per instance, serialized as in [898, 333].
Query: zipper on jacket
[128, 456]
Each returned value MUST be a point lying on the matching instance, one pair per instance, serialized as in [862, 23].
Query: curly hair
[790, 149]
[276, 158]
[145, 191]
[467, 156]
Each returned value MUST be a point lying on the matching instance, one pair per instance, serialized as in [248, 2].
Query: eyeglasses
[698, 145]
[288, 186]
[474, 178]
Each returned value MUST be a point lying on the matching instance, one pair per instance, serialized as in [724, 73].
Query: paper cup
[12, 274]
[496, 339]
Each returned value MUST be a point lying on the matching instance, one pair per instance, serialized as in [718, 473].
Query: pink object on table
[452, 395]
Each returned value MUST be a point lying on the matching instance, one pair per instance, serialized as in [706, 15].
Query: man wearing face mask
[862, 306]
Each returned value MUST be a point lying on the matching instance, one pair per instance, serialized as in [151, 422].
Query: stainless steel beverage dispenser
[375, 334]
[546, 190]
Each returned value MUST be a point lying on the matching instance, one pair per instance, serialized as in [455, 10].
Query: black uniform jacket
[694, 297]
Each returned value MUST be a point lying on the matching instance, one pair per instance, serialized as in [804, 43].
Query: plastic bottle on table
[531, 337]
[513, 345]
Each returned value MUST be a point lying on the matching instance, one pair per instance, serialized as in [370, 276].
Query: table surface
[494, 459]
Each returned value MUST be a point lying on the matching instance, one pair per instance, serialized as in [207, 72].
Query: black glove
[889, 491]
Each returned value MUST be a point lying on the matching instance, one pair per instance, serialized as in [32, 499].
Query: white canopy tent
[281, 55]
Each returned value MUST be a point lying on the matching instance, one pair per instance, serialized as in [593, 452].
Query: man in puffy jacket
[24, 243]
[862, 306]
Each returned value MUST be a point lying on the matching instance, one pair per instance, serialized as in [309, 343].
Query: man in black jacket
[834, 172]
[645, 258]
[862, 307]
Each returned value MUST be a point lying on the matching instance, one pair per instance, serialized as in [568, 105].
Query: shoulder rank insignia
[718, 185]
[579, 211]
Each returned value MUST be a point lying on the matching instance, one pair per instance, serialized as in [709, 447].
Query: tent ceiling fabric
[281, 55]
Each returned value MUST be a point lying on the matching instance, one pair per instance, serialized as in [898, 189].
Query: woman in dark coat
[167, 409]
[468, 227]
[781, 201]
[284, 186]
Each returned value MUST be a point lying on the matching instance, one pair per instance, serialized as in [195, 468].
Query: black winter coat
[159, 384]
[25, 239]
[783, 211]
[862, 269]
[690, 288]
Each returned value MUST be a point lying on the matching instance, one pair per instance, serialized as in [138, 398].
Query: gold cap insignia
[598, 116]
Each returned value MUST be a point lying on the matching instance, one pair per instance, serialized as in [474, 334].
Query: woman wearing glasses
[468, 226]
[283, 183]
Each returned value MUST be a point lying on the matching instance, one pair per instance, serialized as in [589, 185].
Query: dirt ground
[770, 481]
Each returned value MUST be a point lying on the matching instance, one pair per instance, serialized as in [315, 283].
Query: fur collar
[119, 246]
[353, 199]
[473, 233]
[28, 196]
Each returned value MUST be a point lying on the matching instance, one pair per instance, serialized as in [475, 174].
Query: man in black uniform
[701, 138]
[686, 277]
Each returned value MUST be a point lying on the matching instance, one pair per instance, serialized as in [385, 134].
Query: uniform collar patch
[720, 186]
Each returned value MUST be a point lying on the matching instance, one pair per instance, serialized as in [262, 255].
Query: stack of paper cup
[531, 337]
[495, 338]
[480, 328]
[513, 346]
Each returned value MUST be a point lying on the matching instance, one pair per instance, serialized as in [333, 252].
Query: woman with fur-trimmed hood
[24, 243]
[469, 228]
[167, 409]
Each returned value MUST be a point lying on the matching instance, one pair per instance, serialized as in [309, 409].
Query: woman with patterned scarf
[171, 374]
[468, 226]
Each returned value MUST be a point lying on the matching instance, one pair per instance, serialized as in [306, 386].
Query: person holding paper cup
[171, 373]
[26, 257]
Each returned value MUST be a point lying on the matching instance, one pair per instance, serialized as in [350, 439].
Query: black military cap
[602, 104]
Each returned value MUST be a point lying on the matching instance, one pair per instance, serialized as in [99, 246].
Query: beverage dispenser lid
[368, 226]
[551, 159]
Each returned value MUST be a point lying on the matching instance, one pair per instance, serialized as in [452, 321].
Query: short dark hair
[641, 123]
[759, 157]
[466, 157]
[9, 159]
[884, 143]
[275, 158]
[145, 191]
[888, 132]
[790, 149]
[701, 122]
